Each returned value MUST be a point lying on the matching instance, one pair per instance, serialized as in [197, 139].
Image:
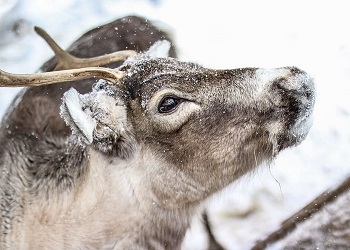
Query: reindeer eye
[168, 104]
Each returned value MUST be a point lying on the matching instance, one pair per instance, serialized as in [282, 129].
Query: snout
[292, 92]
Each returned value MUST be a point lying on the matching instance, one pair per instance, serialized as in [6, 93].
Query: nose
[296, 83]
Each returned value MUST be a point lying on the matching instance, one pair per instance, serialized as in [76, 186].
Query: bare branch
[67, 61]
[38, 79]
[303, 214]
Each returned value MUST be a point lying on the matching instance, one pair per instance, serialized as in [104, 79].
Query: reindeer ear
[81, 123]
[159, 49]
[99, 119]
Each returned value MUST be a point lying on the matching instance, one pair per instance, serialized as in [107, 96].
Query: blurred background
[312, 35]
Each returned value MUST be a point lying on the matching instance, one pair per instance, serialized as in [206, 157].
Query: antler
[68, 68]
[38, 79]
[67, 61]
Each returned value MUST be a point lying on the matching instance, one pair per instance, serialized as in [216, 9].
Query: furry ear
[159, 49]
[81, 124]
[99, 119]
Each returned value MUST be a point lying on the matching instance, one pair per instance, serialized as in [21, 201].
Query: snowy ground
[313, 35]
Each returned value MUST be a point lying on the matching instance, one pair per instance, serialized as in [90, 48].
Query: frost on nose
[291, 80]
[267, 76]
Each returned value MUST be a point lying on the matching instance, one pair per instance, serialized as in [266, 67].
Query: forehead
[146, 77]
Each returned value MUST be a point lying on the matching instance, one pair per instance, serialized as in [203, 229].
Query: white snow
[312, 35]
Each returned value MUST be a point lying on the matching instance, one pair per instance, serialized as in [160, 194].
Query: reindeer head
[201, 127]
[195, 130]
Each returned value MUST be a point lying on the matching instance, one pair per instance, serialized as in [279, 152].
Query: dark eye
[168, 104]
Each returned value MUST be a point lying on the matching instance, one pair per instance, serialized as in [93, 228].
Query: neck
[112, 204]
[153, 223]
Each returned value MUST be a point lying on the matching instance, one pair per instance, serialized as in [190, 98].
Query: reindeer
[128, 163]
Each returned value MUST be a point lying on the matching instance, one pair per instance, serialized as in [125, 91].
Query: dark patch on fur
[55, 166]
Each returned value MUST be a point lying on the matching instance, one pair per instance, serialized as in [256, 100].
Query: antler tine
[38, 79]
[67, 61]
[68, 68]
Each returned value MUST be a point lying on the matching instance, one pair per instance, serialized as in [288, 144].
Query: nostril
[308, 94]
[280, 83]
